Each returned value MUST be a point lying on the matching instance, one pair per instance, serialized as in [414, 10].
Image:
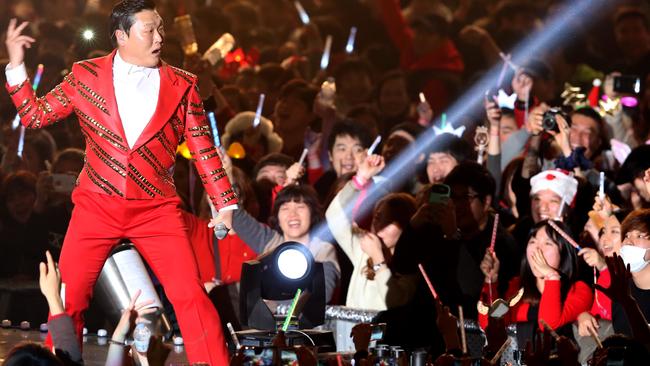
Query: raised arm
[34, 112]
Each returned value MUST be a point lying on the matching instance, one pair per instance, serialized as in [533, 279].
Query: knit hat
[558, 181]
[243, 120]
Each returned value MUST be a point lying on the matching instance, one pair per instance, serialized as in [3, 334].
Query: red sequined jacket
[112, 167]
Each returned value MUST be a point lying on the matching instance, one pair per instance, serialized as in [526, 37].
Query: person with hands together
[371, 252]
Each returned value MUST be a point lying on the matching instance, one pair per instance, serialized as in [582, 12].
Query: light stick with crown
[447, 128]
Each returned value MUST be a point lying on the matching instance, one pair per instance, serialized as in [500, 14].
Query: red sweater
[602, 306]
[551, 308]
[232, 251]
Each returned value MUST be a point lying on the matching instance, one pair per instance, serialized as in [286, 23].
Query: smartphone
[439, 193]
[64, 183]
[377, 331]
[627, 84]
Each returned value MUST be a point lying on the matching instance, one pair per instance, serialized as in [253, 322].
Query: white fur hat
[243, 120]
[558, 181]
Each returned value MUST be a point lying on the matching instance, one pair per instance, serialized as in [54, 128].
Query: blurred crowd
[539, 205]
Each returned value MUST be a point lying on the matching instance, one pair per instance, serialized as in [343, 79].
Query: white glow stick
[325, 59]
[560, 211]
[303, 156]
[21, 141]
[506, 59]
[16, 122]
[235, 340]
[349, 47]
[601, 186]
[423, 99]
[304, 17]
[215, 132]
[374, 145]
[258, 112]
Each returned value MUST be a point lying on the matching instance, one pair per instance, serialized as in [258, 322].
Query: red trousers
[159, 233]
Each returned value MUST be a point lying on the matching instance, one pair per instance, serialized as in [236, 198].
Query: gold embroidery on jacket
[142, 181]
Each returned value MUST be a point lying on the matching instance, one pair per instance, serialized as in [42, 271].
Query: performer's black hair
[122, 16]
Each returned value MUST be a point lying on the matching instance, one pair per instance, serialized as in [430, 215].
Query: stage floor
[94, 348]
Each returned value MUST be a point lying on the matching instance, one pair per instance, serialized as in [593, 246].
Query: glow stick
[594, 335]
[561, 211]
[428, 281]
[215, 131]
[349, 47]
[303, 156]
[601, 186]
[503, 348]
[494, 233]
[374, 145]
[37, 80]
[564, 235]
[463, 337]
[443, 120]
[339, 360]
[258, 111]
[21, 141]
[233, 335]
[423, 99]
[304, 17]
[502, 73]
[549, 329]
[325, 59]
[285, 326]
[506, 59]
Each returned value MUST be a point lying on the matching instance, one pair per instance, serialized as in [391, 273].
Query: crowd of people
[530, 214]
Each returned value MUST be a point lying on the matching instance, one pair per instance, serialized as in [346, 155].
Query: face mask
[634, 257]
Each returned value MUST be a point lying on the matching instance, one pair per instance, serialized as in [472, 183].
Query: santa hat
[594, 93]
[558, 181]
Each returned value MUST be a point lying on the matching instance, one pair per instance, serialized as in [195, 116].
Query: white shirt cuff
[229, 208]
[16, 75]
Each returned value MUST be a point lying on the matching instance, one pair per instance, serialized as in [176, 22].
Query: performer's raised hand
[16, 42]
[223, 216]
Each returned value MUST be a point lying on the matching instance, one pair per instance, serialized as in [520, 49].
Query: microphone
[220, 230]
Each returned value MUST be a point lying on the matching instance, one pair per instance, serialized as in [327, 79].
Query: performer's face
[143, 44]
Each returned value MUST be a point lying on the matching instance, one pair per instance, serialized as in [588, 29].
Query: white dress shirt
[136, 93]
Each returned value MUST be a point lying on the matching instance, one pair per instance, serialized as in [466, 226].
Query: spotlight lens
[88, 34]
[292, 263]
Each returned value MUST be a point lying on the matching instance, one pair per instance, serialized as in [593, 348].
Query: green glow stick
[290, 313]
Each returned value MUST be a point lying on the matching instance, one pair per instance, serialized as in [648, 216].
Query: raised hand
[619, 288]
[371, 245]
[522, 83]
[130, 316]
[593, 258]
[361, 336]
[541, 265]
[448, 326]
[50, 284]
[370, 167]
[534, 122]
[16, 42]
[493, 113]
[562, 136]
[490, 266]
[294, 173]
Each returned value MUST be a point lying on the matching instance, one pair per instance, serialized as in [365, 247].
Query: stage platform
[94, 348]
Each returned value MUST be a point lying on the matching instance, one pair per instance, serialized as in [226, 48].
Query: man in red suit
[133, 110]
